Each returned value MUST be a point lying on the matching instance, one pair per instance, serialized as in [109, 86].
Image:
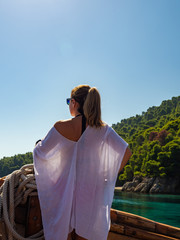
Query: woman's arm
[126, 157]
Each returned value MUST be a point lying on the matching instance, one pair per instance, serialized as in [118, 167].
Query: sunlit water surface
[157, 207]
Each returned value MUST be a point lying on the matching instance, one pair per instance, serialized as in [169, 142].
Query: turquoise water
[157, 207]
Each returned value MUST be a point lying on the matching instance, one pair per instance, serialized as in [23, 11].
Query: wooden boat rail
[130, 226]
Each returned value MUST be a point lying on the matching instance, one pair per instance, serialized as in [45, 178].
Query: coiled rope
[17, 187]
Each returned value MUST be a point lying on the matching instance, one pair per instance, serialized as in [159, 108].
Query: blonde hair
[89, 104]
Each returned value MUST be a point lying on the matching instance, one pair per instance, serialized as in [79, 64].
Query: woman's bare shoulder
[70, 128]
[63, 124]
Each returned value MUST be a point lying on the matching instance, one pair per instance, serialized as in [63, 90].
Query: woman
[76, 167]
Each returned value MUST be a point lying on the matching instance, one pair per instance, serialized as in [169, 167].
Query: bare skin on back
[71, 129]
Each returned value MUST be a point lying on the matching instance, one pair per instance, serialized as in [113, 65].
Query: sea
[161, 208]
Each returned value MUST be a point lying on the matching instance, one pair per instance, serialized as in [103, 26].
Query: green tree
[152, 168]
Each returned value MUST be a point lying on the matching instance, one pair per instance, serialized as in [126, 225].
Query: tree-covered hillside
[154, 138]
[9, 164]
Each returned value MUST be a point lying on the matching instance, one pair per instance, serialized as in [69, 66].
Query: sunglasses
[68, 100]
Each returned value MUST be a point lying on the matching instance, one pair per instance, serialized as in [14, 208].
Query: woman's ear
[76, 105]
[73, 102]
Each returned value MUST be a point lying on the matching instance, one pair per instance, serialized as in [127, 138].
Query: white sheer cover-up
[76, 181]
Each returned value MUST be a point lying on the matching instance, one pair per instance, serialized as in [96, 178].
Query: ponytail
[92, 108]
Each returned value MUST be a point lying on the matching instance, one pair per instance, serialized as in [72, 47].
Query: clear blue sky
[128, 49]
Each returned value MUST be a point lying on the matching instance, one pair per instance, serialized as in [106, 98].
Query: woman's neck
[78, 115]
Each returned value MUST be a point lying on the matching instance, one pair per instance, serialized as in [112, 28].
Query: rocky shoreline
[153, 185]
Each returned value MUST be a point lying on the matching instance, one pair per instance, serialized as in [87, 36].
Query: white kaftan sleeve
[54, 167]
[45, 148]
[117, 149]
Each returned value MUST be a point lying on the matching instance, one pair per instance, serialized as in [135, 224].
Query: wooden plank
[145, 235]
[20, 229]
[34, 221]
[114, 215]
[168, 230]
[136, 221]
[133, 220]
[21, 213]
[116, 236]
[117, 228]
[126, 230]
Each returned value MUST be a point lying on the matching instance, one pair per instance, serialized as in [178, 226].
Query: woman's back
[76, 181]
[70, 129]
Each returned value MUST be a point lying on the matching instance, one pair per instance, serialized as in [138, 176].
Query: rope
[15, 190]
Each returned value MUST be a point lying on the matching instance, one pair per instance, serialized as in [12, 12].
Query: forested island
[154, 138]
